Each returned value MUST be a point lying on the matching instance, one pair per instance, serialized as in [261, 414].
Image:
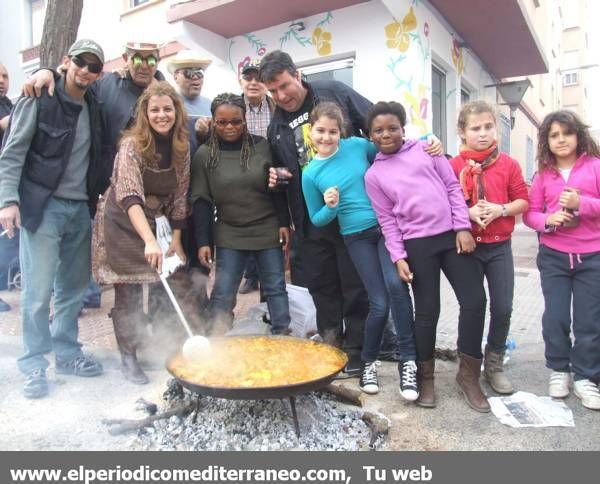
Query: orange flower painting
[321, 39]
[397, 33]
[457, 57]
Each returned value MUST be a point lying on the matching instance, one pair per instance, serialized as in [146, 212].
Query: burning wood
[121, 426]
[348, 395]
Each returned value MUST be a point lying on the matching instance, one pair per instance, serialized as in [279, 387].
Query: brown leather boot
[126, 333]
[425, 371]
[493, 371]
[468, 381]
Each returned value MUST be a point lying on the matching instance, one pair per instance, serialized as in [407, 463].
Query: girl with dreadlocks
[229, 171]
[495, 192]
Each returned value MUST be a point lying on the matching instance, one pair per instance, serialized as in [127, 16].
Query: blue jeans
[571, 288]
[251, 271]
[93, 294]
[9, 256]
[229, 270]
[385, 290]
[56, 256]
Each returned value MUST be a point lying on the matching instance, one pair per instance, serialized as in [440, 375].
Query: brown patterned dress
[117, 249]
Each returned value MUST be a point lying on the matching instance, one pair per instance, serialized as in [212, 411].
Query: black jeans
[426, 257]
[567, 277]
[337, 291]
[495, 262]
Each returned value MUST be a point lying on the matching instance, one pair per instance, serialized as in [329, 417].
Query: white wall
[11, 32]
[381, 72]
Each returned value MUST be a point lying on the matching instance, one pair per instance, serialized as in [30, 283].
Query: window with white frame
[135, 3]
[35, 17]
[569, 78]
[465, 95]
[504, 133]
[571, 16]
[338, 70]
[438, 103]
[529, 159]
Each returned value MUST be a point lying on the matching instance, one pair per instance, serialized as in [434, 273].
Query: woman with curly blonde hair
[150, 179]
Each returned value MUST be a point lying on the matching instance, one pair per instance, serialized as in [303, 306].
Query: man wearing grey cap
[50, 179]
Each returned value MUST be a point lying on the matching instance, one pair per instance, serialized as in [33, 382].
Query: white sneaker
[559, 384]
[588, 393]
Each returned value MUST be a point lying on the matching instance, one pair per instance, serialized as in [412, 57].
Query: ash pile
[222, 425]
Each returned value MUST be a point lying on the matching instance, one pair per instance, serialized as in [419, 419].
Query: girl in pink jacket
[564, 207]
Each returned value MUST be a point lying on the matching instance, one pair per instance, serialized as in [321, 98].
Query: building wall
[12, 31]
[393, 48]
[393, 44]
[578, 57]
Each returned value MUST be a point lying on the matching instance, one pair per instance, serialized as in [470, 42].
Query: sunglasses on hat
[138, 60]
[191, 73]
[93, 67]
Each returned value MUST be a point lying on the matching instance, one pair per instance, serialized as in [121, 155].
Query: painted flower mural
[321, 39]
[457, 57]
[397, 33]
[416, 108]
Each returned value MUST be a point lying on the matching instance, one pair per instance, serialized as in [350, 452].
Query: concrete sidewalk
[70, 417]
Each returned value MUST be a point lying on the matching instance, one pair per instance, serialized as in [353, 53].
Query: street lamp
[512, 92]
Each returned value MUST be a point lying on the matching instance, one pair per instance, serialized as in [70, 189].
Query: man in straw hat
[187, 68]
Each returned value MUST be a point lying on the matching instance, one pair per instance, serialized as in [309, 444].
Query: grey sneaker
[559, 384]
[82, 365]
[36, 385]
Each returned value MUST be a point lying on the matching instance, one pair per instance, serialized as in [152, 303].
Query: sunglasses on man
[251, 76]
[93, 67]
[191, 73]
[138, 60]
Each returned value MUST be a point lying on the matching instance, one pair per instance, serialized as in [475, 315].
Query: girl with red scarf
[495, 192]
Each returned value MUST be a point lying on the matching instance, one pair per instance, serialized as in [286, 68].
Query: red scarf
[471, 180]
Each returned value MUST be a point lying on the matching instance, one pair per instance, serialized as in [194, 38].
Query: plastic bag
[303, 313]
[164, 235]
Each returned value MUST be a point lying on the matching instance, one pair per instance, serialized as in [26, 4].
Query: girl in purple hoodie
[425, 221]
[565, 209]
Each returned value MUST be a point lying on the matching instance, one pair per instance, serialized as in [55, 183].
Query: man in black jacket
[5, 103]
[8, 247]
[49, 184]
[327, 271]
